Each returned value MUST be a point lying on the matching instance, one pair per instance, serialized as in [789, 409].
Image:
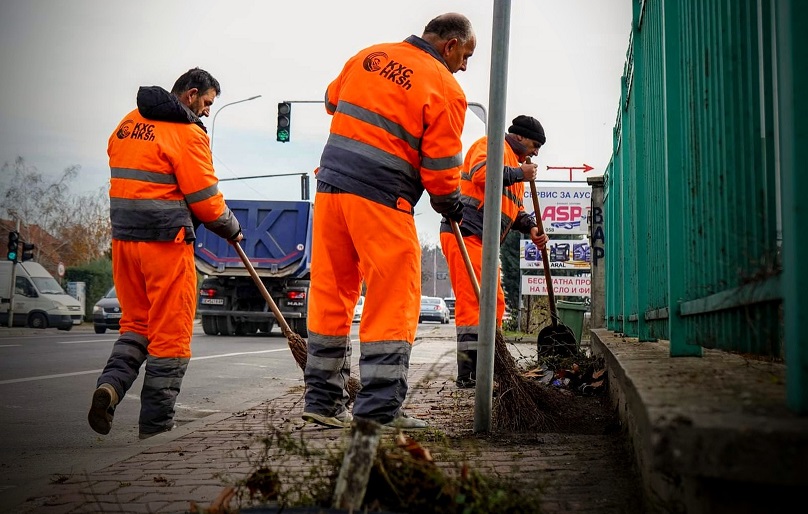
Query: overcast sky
[71, 70]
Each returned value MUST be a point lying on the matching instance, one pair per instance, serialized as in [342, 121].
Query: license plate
[114, 316]
[213, 301]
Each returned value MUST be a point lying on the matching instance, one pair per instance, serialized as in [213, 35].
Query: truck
[277, 241]
[38, 299]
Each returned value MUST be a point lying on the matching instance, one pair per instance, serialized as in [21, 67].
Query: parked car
[357, 311]
[450, 303]
[433, 309]
[107, 313]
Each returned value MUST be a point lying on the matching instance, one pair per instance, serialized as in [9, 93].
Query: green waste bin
[571, 314]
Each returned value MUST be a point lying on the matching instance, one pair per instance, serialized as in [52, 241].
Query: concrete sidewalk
[579, 473]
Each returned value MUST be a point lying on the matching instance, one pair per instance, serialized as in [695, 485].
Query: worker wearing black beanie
[524, 139]
[529, 127]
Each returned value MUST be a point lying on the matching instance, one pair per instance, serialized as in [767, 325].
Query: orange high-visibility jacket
[472, 188]
[396, 127]
[162, 174]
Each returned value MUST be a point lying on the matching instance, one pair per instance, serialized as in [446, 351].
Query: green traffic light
[283, 136]
[12, 256]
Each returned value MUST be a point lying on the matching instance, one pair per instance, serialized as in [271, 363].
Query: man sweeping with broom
[524, 138]
[397, 119]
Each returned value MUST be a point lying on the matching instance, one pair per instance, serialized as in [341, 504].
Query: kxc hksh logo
[392, 71]
[143, 131]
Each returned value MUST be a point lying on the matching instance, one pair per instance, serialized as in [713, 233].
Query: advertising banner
[565, 208]
[563, 254]
[562, 286]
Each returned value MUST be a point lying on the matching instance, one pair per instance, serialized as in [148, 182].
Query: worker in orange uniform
[524, 138]
[162, 186]
[398, 114]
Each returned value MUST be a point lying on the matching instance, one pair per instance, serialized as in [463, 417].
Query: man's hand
[455, 213]
[540, 240]
[238, 237]
[530, 170]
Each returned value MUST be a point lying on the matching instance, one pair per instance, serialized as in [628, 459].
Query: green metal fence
[701, 204]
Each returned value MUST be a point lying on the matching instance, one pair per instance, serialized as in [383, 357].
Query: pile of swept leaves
[404, 479]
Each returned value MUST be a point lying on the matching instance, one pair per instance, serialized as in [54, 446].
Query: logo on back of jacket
[132, 130]
[397, 73]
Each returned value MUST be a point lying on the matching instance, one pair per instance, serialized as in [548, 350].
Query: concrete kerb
[711, 433]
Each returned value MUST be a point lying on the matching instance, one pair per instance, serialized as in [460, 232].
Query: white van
[39, 300]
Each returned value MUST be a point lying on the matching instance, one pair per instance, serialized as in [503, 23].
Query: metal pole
[435, 271]
[491, 219]
[213, 123]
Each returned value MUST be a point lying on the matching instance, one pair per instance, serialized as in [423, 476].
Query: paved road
[47, 376]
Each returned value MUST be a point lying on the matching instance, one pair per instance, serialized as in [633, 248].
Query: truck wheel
[300, 327]
[209, 325]
[226, 325]
[37, 320]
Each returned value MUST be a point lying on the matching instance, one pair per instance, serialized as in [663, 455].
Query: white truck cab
[39, 300]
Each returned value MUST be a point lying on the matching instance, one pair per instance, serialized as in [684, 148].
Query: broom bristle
[522, 404]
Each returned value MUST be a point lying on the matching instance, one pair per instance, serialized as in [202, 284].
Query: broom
[522, 404]
[297, 344]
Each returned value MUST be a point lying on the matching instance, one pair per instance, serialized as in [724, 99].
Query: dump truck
[277, 241]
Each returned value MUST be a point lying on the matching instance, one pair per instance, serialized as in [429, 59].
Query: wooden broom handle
[285, 328]
[462, 244]
[544, 256]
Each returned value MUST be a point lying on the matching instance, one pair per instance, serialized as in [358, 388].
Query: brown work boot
[102, 409]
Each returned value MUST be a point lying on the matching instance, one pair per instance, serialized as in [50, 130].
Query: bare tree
[73, 229]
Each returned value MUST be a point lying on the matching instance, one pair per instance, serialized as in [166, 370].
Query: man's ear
[187, 96]
[450, 45]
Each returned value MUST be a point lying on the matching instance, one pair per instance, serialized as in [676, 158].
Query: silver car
[434, 309]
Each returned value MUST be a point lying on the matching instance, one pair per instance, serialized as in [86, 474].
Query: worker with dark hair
[162, 186]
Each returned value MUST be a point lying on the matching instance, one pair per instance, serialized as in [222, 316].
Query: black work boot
[102, 409]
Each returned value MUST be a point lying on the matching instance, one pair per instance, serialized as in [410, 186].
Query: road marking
[77, 373]
[9, 345]
[87, 341]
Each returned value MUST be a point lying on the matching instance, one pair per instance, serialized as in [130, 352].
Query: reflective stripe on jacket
[472, 188]
[162, 174]
[398, 115]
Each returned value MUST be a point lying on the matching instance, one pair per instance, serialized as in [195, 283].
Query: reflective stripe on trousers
[161, 382]
[357, 239]
[467, 308]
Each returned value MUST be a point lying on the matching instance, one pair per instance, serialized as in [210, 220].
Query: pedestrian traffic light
[284, 121]
[27, 252]
[13, 244]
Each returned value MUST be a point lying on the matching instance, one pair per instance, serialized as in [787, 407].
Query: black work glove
[455, 213]
[234, 237]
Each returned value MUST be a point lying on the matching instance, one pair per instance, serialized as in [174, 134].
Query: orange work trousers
[156, 286]
[467, 308]
[354, 240]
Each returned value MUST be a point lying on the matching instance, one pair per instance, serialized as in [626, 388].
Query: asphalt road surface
[46, 382]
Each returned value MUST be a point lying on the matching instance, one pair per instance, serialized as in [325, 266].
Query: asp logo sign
[143, 131]
[380, 63]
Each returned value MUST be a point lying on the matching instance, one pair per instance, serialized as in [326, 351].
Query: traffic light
[13, 244]
[27, 252]
[284, 121]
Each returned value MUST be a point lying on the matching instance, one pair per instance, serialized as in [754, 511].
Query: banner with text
[565, 209]
[562, 286]
[563, 254]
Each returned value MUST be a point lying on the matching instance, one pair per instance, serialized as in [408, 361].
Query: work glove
[455, 213]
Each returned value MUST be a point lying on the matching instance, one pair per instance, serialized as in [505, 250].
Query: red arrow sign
[585, 168]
